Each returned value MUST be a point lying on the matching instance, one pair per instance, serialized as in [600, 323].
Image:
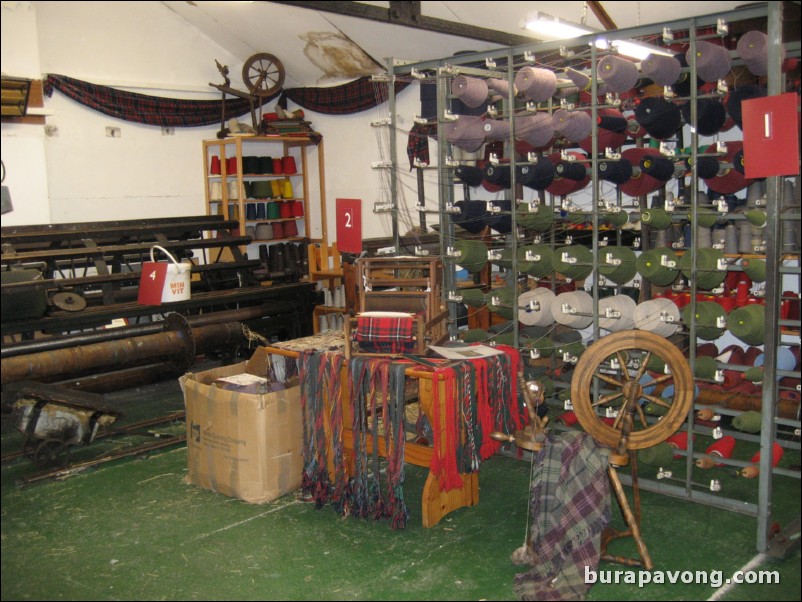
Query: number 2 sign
[349, 226]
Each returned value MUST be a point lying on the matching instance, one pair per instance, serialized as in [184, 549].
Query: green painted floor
[134, 530]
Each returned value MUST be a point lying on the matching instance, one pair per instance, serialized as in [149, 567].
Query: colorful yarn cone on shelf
[214, 169]
[747, 323]
[679, 441]
[777, 452]
[722, 448]
[659, 455]
[748, 422]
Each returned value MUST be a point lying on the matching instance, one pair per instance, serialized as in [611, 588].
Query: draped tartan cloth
[480, 397]
[569, 506]
[385, 334]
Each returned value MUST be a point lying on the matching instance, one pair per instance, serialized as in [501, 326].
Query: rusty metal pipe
[118, 354]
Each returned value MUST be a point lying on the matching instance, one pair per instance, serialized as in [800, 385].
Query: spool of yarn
[705, 367]
[536, 176]
[616, 172]
[660, 168]
[710, 115]
[214, 167]
[730, 239]
[278, 165]
[535, 307]
[466, 132]
[471, 216]
[752, 47]
[504, 338]
[755, 269]
[618, 264]
[536, 129]
[679, 441]
[290, 229]
[659, 455]
[618, 73]
[500, 86]
[708, 316]
[473, 297]
[505, 303]
[569, 348]
[748, 422]
[723, 448]
[573, 261]
[275, 189]
[469, 174]
[536, 260]
[660, 316]
[264, 232]
[705, 217]
[278, 230]
[655, 266]
[541, 343]
[660, 118]
[500, 221]
[266, 165]
[503, 259]
[574, 126]
[708, 275]
[536, 85]
[712, 61]
[250, 211]
[215, 191]
[475, 335]
[656, 218]
[496, 129]
[662, 70]
[472, 254]
[777, 453]
[616, 218]
[261, 189]
[621, 309]
[273, 210]
[573, 309]
[470, 90]
[233, 191]
[747, 323]
[571, 170]
[756, 217]
[500, 175]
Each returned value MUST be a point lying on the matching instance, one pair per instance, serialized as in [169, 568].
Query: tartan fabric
[353, 97]
[359, 95]
[418, 142]
[385, 335]
[141, 108]
[570, 506]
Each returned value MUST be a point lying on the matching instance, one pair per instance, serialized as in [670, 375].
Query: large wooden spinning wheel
[263, 74]
[612, 374]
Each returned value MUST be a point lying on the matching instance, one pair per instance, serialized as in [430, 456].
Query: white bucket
[177, 282]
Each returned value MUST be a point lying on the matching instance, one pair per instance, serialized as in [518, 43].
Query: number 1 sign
[349, 226]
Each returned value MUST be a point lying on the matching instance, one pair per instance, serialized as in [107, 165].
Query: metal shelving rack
[442, 72]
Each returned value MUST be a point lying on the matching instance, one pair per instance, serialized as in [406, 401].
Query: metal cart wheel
[51, 453]
[263, 74]
[29, 447]
[619, 363]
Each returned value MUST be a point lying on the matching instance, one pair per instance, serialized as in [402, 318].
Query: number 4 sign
[349, 226]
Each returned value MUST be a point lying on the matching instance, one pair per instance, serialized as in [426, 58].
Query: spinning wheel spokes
[611, 361]
[263, 74]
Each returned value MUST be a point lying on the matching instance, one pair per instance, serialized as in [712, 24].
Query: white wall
[76, 173]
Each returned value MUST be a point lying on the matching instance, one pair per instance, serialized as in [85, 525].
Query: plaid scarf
[385, 335]
[570, 506]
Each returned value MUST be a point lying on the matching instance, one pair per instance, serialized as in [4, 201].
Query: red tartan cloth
[385, 335]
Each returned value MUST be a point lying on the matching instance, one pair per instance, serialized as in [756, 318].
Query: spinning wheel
[619, 363]
[263, 74]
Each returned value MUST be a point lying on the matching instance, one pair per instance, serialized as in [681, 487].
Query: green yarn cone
[748, 323]
[707, 316]
[540, 268]
[754, 374]
[660, 455]
[622, 273]
[748, 422]
[473, 297]
[508, 302]
[544, 345]
[539, 220]
[708, 276]
[755, 269]
[705, 216]
[616, 218]
[756, 217]
[473, 254]
[505, 338]
[578, 270]
[657, 218]
[654, 409]
[650, 265]
[475, 335]
[705, 367]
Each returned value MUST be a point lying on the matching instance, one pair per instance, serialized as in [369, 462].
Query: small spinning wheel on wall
[263, 74]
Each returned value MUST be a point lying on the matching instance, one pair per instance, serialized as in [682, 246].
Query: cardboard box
[244, 445]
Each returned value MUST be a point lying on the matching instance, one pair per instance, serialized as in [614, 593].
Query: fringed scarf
[485, 399]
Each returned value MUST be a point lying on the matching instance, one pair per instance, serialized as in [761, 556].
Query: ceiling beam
[408, 14]
[598, 10]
